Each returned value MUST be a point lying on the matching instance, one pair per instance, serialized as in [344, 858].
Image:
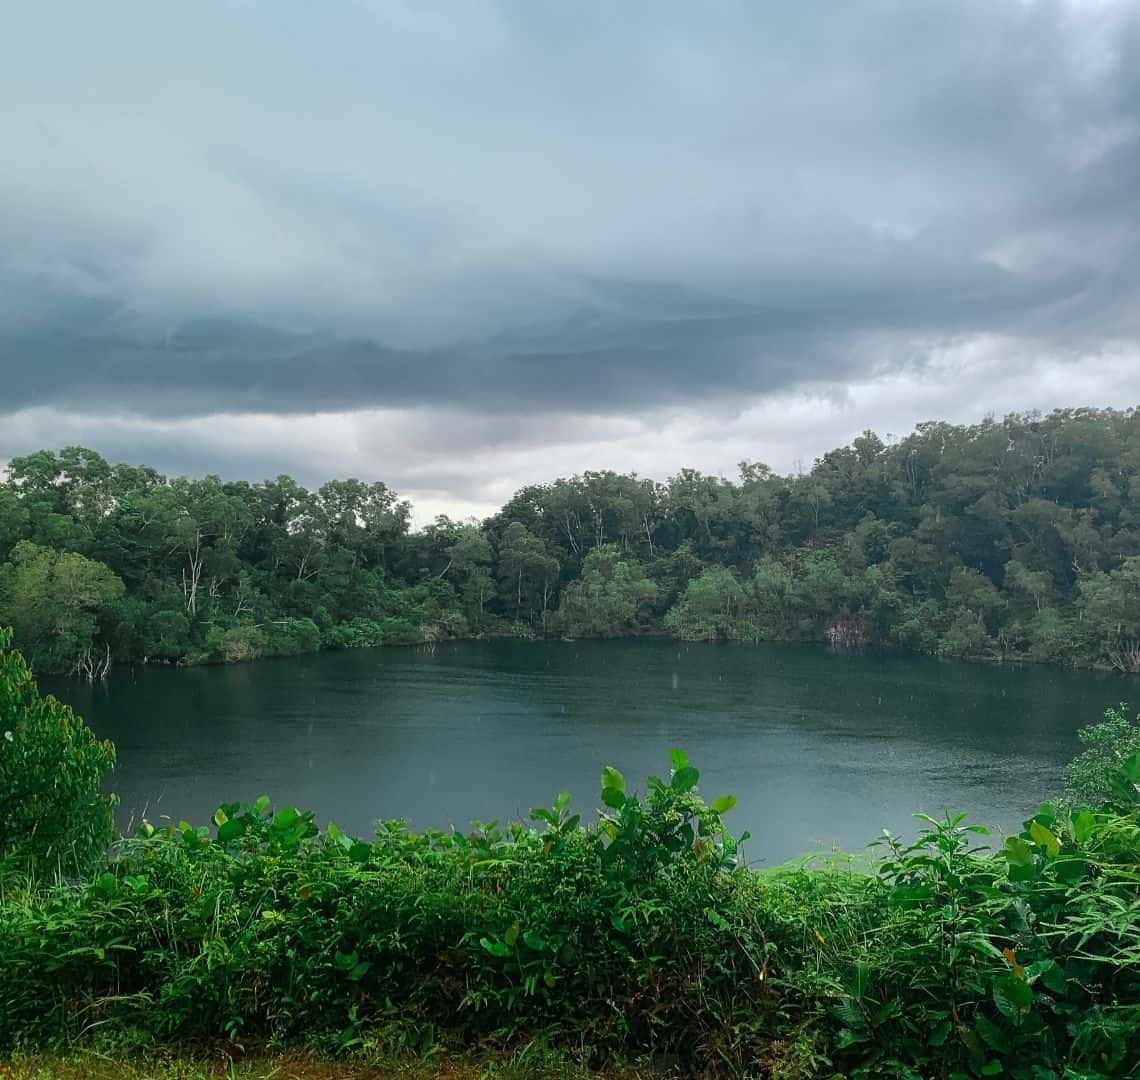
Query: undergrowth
[636, 936]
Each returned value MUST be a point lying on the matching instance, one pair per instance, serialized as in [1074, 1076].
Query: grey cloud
[289, 207]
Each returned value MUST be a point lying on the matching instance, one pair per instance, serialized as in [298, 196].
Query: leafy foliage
[51, 769]
[1094, 776]
[1013, 539]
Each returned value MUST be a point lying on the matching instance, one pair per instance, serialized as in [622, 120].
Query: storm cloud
[531, 225]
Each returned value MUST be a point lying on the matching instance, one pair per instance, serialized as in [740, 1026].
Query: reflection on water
[820, 749]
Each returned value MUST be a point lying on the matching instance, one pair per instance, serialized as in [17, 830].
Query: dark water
[821, 750]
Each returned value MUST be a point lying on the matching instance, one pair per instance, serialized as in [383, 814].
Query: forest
[1014, 539]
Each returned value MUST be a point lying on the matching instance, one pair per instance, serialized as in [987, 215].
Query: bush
[51, 768]
[640, 934]
[1093, 776]
[234, 645]
[714, 607]
[290, 637]
[398, 631]
[369, 633]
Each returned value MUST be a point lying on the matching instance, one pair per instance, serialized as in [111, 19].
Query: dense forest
[1013, 539]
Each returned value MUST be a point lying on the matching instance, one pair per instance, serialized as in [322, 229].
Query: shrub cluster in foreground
[638, 934]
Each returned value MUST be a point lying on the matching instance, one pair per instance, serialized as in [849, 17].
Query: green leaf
[723, 804]
[495, 948]
[993, 1036]
[679, 758]
[511, 937]
[563, 800]
[1083, 825]
[991, 1068]
[286, 818]
[612, 780]
[716, 918]
[1045, 838]
[230, 830]
[1131, 769]
[1013, 997]
[613, 798]
[1017, 851]
[685, 779]
[220, 817]
[1054, 978]
[261, 805]
[1038, 968]
[939, 1033]
[359, 852]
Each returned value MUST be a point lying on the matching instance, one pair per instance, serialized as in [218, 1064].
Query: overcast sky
[463, 246]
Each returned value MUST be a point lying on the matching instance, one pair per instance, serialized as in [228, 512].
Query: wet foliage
[1006, 540]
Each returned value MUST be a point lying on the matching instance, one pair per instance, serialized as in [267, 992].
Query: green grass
[530, 1063]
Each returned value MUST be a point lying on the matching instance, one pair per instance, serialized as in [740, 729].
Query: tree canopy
[1017, 538]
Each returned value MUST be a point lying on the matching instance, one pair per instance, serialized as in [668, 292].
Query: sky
[465, 246]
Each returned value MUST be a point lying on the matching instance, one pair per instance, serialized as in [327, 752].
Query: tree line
[1015, 539]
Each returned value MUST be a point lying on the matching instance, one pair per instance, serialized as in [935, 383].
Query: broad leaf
[612, 780]
[685, 779]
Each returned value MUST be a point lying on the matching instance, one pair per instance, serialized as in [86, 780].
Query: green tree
[612, 598]
[1111, 605]
[527, 571]
[53, 600]
[714, 608]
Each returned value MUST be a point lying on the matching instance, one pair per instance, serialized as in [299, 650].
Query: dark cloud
[528, 207]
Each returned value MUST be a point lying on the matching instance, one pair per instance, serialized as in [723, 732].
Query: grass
[230, 1063]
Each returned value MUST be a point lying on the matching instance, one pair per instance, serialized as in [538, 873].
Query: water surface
[822, 750]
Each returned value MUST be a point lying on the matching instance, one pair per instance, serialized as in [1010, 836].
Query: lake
[821, 749]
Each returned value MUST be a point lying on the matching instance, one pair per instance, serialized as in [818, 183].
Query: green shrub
[369, 633]
[714, 607]
[51, 768]
[399, 631]
[638, 935]
[358, 634]
[290, 637]
[235, 644]
[1108, 745]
